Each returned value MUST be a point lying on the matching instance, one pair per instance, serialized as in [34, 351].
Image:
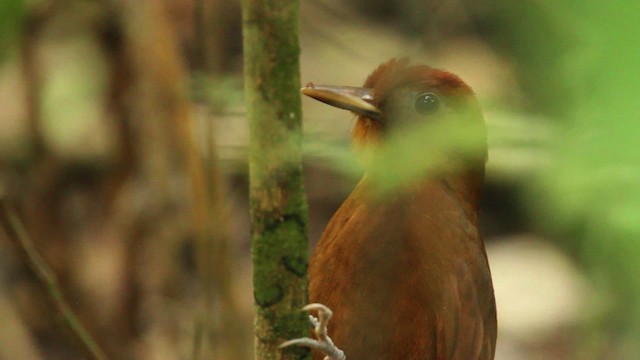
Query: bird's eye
[427, 103]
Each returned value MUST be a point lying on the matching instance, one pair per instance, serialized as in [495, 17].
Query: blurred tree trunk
[277, 200]
[220, 332]
[170, 173]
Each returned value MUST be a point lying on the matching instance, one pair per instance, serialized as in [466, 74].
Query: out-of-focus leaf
[422, 149]
[595, 180]
[405, 156]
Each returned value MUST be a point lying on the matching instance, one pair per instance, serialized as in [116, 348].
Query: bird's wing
[466, 322]
[472, 312]
[406, 279]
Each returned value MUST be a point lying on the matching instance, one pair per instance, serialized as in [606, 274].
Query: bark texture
[278, 204]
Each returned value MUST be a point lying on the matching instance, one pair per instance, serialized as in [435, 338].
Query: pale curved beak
[356, 99]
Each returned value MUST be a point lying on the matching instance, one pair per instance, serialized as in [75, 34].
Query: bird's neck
[463, 182]
[467, 187]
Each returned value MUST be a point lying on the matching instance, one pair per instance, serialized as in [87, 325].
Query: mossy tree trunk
[278, 204]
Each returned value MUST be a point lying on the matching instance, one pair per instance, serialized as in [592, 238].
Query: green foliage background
[11, 13]
[594, 184]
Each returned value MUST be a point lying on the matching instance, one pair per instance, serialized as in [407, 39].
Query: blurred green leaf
[422, 149]
[594, 183]
[406, 155]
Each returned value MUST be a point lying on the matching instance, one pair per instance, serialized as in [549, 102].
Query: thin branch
[27, 251]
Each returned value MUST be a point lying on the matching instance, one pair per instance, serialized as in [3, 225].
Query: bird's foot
[323, 342]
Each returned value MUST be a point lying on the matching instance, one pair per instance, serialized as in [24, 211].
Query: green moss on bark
[278, 204]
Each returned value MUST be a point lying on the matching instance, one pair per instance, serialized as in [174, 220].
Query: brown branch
[18, 236]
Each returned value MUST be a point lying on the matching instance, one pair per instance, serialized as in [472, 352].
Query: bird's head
[398, 95]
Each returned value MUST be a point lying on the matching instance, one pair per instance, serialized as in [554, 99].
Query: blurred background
[123, 147]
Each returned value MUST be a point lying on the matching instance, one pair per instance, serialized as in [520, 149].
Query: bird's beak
[356, 99]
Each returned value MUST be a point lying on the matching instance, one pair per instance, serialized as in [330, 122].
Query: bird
[406, 275]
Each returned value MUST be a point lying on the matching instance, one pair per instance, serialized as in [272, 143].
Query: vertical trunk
[278, 204]
[220, 332]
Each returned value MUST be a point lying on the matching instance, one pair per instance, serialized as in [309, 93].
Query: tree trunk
[278, 204]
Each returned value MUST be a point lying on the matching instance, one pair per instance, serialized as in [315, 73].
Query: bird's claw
[323, 342]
